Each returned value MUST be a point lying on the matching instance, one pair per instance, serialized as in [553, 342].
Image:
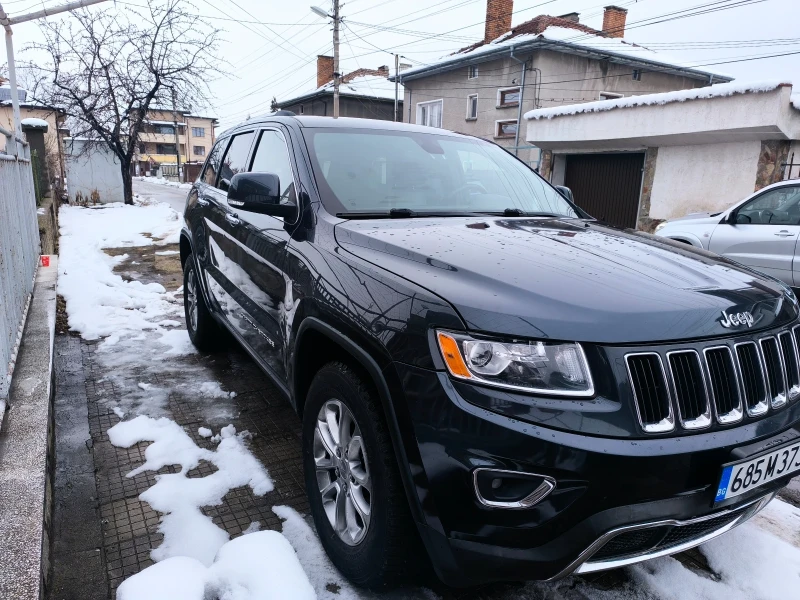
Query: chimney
[614, 21]
[324, 70]
[404, 66]
[573, 16]
[498, 18]
[384, 70]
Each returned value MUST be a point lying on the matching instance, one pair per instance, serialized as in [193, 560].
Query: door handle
[783, 233]
[232, 219]
[202, 202]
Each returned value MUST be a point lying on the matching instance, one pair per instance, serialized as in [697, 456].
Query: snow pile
[34, 122]
[162, 181]
[187, 531]
[99, 302]
[258, 566]
[714, 91]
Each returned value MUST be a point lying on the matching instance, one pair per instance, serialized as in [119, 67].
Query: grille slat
[790, 363]
[650, 392]
[774, 368]
[690, 389]
[754, 387]
[724, 388]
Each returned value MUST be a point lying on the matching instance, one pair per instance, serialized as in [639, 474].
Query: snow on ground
[187, 531]
[166, 182]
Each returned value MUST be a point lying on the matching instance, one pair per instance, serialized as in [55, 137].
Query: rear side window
[235, 160]
[212, 165]
[272, 156]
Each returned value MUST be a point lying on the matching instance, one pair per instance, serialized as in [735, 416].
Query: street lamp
[336, 20]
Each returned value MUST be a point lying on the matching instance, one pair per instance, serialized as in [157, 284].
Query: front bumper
[606, 489]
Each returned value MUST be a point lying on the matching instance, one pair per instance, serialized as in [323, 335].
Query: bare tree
[108, 68]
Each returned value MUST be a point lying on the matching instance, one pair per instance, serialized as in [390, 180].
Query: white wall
[94, 169]
[705, 177]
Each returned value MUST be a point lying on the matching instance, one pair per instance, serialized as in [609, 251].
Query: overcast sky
[279, 59]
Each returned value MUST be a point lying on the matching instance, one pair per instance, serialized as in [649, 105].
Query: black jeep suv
[482, 369]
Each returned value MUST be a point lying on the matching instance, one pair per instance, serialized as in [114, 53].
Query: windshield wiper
[404, 213]
[518, 212]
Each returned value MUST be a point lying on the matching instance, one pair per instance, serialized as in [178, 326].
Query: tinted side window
[235, 158]
[272, 156]
[209, 175]
[780, 206]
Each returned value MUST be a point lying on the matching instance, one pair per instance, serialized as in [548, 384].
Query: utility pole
[7, 22]
[336, 77]
[177, 139]
[396, 85]
[337, 19]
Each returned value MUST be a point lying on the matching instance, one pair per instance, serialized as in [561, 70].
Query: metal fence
[19, 249]
[791, 169]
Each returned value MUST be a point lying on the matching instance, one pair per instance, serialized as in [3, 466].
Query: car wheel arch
[311, 328]
[185, 247]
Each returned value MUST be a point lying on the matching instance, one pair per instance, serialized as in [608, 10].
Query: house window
[199, 131]
[472, 107]
[508, 97]
[473, 72]
[199, 150]
[506, 129]
[637, 75]
[609, 96]
[164, 129]
[165, 148]
[302, 110]
[430, 113]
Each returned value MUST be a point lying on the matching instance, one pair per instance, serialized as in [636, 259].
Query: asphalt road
[175, 197]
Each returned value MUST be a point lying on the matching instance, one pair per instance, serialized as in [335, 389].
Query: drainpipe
[405, 87]
[524, 64]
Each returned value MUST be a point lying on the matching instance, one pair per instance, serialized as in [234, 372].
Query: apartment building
[158, 146]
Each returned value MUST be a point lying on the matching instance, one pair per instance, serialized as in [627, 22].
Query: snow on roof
[795, 100]
[367, 86]
[714, 91]
[561, 36]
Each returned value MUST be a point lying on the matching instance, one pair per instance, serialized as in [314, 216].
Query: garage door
[606, 186]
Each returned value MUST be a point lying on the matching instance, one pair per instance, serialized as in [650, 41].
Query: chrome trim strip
[776, 400]
[667, 424]
[703, 420]
[793, 391]
[582, 564]
[536, 496]
[762, 406]
[736, 413]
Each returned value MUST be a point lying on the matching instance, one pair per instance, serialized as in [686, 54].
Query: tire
[388, 552]
[203, 330]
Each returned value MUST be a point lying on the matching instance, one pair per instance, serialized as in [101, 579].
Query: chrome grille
[689, 389]
[651, 395]
[723, 384]
[748, 377]
[754, 387]
[776, 378]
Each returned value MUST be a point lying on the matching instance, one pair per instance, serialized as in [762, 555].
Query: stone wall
[774, 153]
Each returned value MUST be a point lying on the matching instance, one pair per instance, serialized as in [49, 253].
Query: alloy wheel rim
[342, 472]
[191, 299]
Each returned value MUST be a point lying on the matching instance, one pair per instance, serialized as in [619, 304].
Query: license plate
[744, 476]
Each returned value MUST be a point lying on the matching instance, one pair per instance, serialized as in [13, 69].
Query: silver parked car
[761, 231]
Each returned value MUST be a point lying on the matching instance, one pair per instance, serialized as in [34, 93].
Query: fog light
[497, 488]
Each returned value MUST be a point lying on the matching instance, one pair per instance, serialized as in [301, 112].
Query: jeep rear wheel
[352, 480]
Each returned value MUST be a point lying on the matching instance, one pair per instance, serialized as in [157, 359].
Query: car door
[762, 233]
[227, 238]
[264, 285]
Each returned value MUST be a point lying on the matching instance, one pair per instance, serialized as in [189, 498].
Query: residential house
[635, 162]
[158, 146]
[31, 112]
[363, 93]
[483, 89]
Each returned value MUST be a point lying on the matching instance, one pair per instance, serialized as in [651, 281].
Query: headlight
[544, 367]
[660, 226]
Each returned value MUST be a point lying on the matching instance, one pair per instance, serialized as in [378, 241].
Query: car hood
[704, 218]
[569, 279]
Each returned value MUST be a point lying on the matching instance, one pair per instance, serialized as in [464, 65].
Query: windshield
[378, 171]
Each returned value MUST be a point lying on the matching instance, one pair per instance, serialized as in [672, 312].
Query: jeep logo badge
[735, 320]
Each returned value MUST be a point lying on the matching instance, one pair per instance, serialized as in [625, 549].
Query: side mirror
[259, 193]
[566, 192]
